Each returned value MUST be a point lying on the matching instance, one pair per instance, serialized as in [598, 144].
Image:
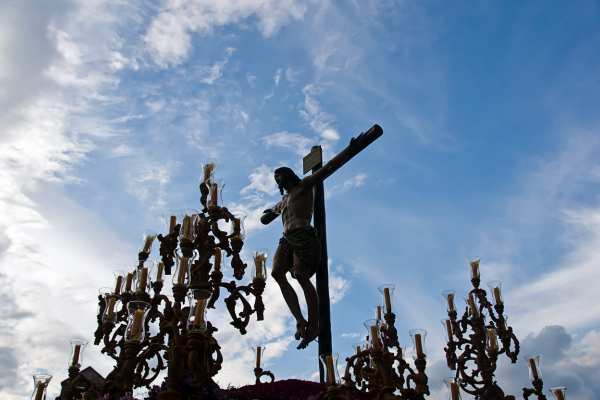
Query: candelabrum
[379, 368]
[146, 332]
[475, 342]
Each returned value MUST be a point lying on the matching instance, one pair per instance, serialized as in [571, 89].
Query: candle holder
[77, 347]
[453, 388]
[149, 237]
[259, 372]
[329, 363]
[170, 333]
[477, 340]
[40, 385]
[380, 369]
[535, 376]
[559, 392]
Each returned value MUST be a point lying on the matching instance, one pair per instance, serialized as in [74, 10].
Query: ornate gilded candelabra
[475, 339]
[380, 368]
[151, 332]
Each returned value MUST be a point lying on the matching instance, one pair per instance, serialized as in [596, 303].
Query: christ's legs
[310, 294]
[281, 259]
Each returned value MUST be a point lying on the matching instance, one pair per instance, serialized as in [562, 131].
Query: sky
[491, 149]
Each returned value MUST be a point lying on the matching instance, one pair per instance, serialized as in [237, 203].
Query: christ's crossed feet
[310, 333]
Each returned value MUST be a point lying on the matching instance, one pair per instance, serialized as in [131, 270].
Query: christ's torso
[296, 208]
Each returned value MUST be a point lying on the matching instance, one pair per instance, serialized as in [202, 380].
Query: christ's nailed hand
[268, 216]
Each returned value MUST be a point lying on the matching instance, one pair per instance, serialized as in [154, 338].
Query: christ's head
[286, 178]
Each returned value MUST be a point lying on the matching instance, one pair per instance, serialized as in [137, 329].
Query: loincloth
[302, 248]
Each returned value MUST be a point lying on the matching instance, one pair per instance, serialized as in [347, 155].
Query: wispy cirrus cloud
[169, 36]
[354, 182]
[319, 120]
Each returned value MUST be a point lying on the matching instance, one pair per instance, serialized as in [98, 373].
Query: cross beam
[314, 161]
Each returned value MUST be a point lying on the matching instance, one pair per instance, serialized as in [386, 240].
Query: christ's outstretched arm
[271, 214]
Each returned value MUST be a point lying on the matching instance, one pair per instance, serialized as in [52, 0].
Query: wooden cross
[314, 161]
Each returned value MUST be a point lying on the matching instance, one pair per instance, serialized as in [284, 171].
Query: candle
[217, 254]
[418, 345]
[143, 280]
[357, 350]
[110, 312]
[259, 265]
[558, 393]
[148, 243]
[199, 312]
[237, 227]
[492, 340]
[454, 391]
[258, 356]
[472, 306]
[387, 300]
[208, 170]
[39, 390]
[375, 337]
[186, 227]
[136, 325]
[172, 223]
[183, 262]
[475, 269]
[330, 372]
[533, 367]
[159, 271]
[128, 281]
[214, 194]
[497, 295]
[118, 285]
[76, 351]
[450, 300]
[378, 313]
[449, 329]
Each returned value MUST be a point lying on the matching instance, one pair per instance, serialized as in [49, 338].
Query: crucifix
[302, 250]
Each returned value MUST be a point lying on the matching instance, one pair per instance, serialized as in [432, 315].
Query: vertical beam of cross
[314, 161]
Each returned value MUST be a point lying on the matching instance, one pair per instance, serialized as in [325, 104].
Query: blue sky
[490, 149]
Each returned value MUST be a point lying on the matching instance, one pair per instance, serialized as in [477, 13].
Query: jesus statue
[299, 249]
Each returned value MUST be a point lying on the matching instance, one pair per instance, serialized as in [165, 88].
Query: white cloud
[148, 183]
[277, 76]
[558, 295]
[320, 121]
[261, 181]
[293, 141]
[338, 283]
[330, 134]
[548, 196]
[210, 74]
[169, 36]
[121, 150]
[356, 181]
[351, 335]
[48, 130]
[292, 74]
[251, 79]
